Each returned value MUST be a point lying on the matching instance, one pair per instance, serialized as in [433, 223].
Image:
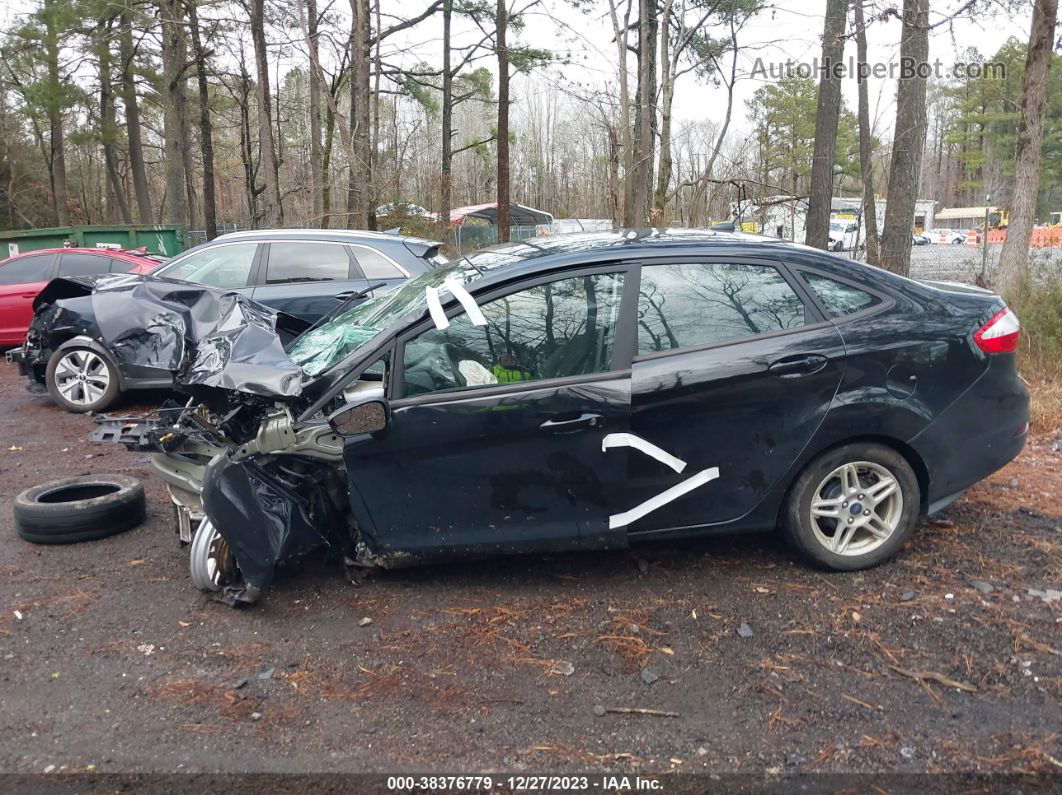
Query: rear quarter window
[840, 299]
[375, 265]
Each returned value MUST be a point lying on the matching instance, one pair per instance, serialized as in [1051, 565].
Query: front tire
[210, 559]
[80, 380]
[853, 507]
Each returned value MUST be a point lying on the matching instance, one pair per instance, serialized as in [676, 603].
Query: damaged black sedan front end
[255, 481]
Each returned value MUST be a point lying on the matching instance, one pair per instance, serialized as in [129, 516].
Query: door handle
[580, 423]
[802, 364]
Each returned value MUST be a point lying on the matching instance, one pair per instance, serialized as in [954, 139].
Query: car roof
[345, 235]
[521, 258]
[103, 252]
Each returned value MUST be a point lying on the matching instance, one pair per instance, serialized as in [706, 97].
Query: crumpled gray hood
[205, 336]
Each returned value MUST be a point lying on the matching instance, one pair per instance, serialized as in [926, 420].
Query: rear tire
[853, 507]
[80, 379]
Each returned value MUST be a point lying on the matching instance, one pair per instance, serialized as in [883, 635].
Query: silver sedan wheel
[82, 377]
[856, 508]
[210, 560]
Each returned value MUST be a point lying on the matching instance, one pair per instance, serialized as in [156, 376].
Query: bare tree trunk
[866, 163]
[667, 94]
[637, 210]
[908, 139]
[206, 130]
[250, 173]
[335, 118]
[108, 129]
[360, 117]
[699, 208]
[132, 124]
[175, 210]
[272, 208]
[614, 203]
[57, 134]
[619, 32]
[1014, 260]
[503, 124]
[817, 232]
[316, 158]
[445, 185]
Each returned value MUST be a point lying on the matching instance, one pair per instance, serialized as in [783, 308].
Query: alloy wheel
[82, 377]
[856, 508]
[211, 562]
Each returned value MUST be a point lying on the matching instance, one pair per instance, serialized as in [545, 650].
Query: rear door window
[26, 270]
[308, 262]
[695, 304]
[840, 299]
[81, 264]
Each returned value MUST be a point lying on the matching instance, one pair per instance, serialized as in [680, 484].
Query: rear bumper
[978, 434]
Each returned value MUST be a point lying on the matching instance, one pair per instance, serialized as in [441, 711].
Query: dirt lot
[119, 664]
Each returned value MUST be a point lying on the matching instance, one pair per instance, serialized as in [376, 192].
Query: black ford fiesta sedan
[595, 391]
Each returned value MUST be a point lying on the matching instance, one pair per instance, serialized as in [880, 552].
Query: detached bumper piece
[134, 433]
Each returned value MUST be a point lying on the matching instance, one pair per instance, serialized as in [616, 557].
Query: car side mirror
[370, 414]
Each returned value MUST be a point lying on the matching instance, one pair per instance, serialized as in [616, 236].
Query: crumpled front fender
[265, 520]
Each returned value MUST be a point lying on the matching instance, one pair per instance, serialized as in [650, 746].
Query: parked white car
[843, 235]
[954, 237]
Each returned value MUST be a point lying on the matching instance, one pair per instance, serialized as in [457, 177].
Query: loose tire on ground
[79, 509]
[807, 517]
[79, 379]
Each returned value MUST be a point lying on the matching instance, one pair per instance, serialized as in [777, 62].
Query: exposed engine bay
[277, 488]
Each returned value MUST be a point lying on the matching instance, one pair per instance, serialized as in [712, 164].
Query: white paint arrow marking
[664, 497]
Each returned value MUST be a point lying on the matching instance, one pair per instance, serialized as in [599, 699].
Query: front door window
[555, 330]
[226, 266]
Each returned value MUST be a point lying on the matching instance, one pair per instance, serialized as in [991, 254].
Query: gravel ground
[941, 660]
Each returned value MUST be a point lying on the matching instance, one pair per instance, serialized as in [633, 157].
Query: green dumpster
[158, 239]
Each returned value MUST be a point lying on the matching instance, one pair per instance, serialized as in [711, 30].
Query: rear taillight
[1000, 334]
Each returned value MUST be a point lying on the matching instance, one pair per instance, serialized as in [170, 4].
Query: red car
[24, 275]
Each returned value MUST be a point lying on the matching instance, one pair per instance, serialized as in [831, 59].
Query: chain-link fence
[967, 264]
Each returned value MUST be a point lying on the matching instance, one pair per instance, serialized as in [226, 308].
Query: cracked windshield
[322, 347]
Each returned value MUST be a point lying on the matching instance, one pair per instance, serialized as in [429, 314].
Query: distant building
[967, 217]
[785, 216]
